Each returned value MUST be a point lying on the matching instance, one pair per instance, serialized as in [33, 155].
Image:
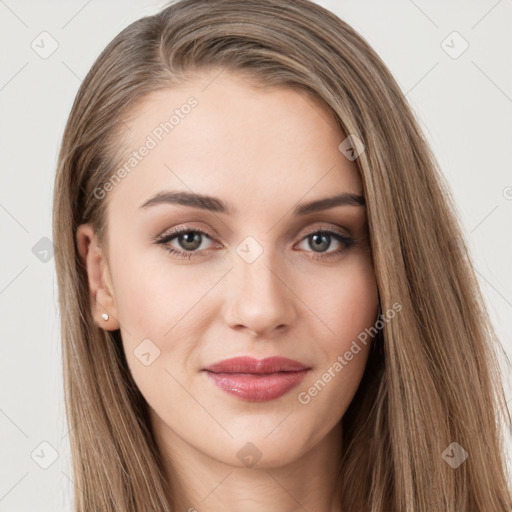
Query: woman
[266, 299]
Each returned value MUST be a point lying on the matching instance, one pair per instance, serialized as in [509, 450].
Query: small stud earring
[104, 316]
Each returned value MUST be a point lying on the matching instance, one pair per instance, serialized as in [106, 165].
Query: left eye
[320, 241]
[190, 242]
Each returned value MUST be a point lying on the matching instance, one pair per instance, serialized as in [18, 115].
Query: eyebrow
[214, 204]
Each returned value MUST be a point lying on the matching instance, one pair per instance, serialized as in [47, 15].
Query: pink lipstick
[257, 380]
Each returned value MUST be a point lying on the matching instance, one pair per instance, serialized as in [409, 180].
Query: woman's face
[253, 275]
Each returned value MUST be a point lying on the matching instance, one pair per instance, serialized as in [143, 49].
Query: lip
[251, 365]
[257, 380]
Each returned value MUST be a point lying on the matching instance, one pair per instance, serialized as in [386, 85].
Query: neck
[205, 484]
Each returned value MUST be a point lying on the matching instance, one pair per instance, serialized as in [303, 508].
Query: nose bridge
[260, 297]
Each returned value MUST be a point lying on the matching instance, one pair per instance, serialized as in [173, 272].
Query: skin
[262, 151]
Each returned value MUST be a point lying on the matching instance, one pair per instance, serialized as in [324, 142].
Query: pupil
[190, 241]
[319, 240]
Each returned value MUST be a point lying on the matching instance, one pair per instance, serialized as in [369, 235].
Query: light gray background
[464, 105]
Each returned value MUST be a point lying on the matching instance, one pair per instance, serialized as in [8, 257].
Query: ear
[99, 279]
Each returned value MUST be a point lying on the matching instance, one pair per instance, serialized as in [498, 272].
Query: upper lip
[252, 365]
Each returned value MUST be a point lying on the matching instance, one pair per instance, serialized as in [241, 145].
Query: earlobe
[103, 304]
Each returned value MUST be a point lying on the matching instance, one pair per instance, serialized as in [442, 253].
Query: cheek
[152, 294]
[346, 303]
[348, 307]
[167, 304]
[155, 301]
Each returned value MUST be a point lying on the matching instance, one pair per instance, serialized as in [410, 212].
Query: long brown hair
[432, 377]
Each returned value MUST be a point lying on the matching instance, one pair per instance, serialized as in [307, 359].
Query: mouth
[257, 380]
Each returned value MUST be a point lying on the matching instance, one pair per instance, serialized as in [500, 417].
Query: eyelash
[164, 240]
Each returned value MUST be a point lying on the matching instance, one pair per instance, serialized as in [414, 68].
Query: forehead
[222, 135]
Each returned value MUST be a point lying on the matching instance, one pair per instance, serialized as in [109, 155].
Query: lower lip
[257, 388]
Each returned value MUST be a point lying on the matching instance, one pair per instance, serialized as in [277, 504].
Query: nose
[260, 300]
